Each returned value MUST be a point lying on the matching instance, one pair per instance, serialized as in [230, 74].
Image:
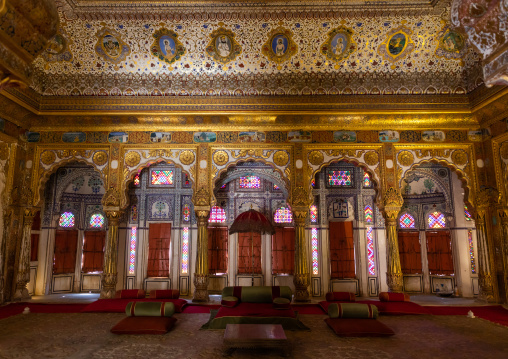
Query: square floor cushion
[144, 325]
[358, 327]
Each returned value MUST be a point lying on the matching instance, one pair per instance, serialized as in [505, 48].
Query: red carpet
[308, 309]
[118, 305]
[493, 313]
[17, 308]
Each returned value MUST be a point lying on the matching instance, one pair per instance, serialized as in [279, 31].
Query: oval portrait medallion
[279, 44]
[397, 44]
[223, 45]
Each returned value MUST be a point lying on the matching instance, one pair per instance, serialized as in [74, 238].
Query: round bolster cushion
[150, 309]
[353, 310]
[130, 294]
[229, 302]
[165, 294]
[340, 296]
[281, 303]
[394, 297]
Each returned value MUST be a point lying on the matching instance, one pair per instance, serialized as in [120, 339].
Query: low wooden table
[246, 336]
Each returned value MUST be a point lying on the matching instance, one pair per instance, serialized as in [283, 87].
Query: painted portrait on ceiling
[111, 45]
[397, 43]
[279, 44]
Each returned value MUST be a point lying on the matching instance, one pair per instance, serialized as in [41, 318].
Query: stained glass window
[224, 186]
[436, 220]
[132, 250]
[186, 213]
[185, 250]
[276, 187]
[97, 220]
[471, 251]
[407, 221]
[314, 242]
[313, 183]
[467, 214]
[283, 215]
[162, 177]
[366, 180]
[339, 178]
[66, 220]
[313, 214]
[136, 180]
[370, 251]
[250, 182]
[217, 215]
[369, 214]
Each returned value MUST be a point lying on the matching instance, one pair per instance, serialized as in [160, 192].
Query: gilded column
[301, 277]
[3, 250]
[503, 215]
[109, 272]
[201, 272]
[23, 275]
[392, 204]
[485, 198]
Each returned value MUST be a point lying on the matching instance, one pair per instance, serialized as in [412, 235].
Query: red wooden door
[439, 252]
[217, 250]
[245, 253]
[159, 237]
[283, 250]
[93, 251]
[342, 251]
[66, 244]
[410, 252]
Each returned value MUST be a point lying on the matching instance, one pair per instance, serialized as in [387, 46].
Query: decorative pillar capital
[300, 216]
[485, 198]
[300, 198]
[113, 216]
[28, 215]
[392, 203]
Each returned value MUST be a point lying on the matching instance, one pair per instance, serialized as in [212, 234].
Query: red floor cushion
[358, 327]
[230, 302]
[281, 303]
[353, 310]
[144, 325]
[164, 294]
[340, 296]
[130, 294]
[119, 305]
[150, 309]
[394, 297]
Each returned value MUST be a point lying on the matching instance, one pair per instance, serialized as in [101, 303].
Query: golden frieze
[220, 158]
[4, 151]
[287, 172]
[504, 151]
[187, 157]
[406, 158]
[436, 152]
[280, 158]
[100, 158]
[345, 152]
[74, 153]
[160, 153]
[48, 157]
[132, 158]
[459, 157]
[371, 158]
[316, 158]
[252, 152]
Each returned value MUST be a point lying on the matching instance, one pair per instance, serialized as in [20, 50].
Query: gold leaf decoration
[48, 157]
[371, 158]
[220, 158]
[316, 158]
[100, 158]
[132, 159]
[504, 151]
[187, 157]
[459, 157]
[406, 158]
[4, 151]
[281, 158]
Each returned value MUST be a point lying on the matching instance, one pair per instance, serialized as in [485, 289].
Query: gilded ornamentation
[316, 158]
[58, 48]
[253, 153]
[201, 198]
[504, 151]
[132, 158]
[393, 198]
[110, 46]
[223, 46]
[485, 198]
[220, 158]
[280, 46]
[74, 153]
[166, 47]
[345, 152]
[406, 158]
[371, 158]
[459, 157]
[339, 45]
[187, 157]
[48, 157]
[450, 44]
[280, 158]
[111, 198]
[4, 151]
[435, 152]
[300, 197]
[397, 45]
[160, 153]
[100, 158]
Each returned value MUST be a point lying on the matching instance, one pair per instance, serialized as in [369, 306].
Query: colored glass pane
[407, 221]
[276, 187]
[313, 214]
[467, 214]
[250, 182]
[283, 215]
[217, 215]
[314, 242]
[369, 214]
[366, 180]
[134, 213]
[162, 177]
[313, 183]
[436, 220]
[136, 180]
[224, 185]
[339, 178]
[471, 251]
[370, 251]
[185, 250]
[66, 220]
[97, 220]
[186, 213]
[132, 250]
[186, 181]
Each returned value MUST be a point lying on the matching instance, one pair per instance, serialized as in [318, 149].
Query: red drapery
[218, 250]
[245, 253]
[34, 242]
[93, 251]
[158, 249]
[66, 243]
[410, 252]
[439, 252]
[342, 251]
[283, 250]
